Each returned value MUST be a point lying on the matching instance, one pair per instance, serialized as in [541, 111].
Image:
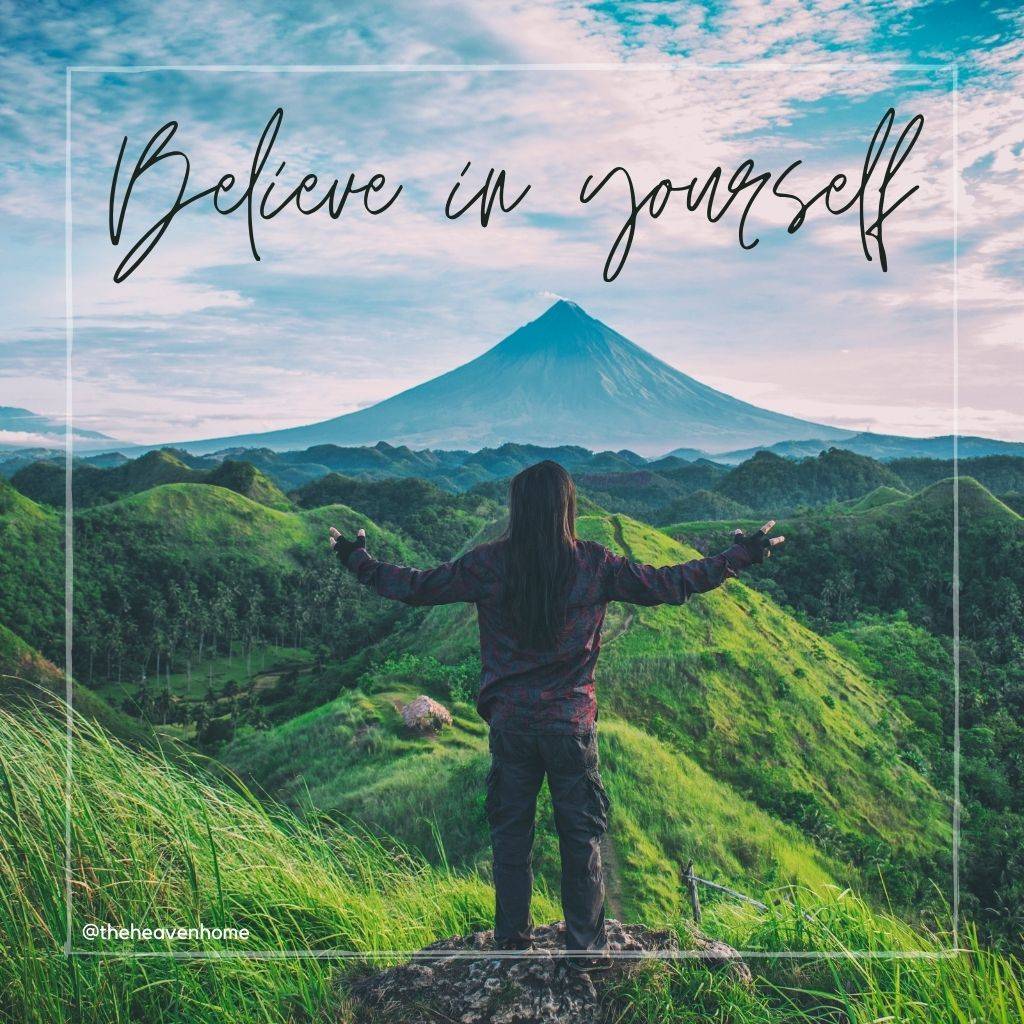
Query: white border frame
[660, 66]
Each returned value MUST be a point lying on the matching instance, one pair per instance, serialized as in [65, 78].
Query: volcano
[564, 378]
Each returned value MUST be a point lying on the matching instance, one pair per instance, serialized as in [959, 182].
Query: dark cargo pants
[519, 762]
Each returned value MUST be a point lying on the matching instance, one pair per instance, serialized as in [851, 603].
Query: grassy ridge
[667, 810]
[754, 697]
[156, 845]
[746, 690]
[877, 576]
[748, 716]
[353, 758]
[27, 679]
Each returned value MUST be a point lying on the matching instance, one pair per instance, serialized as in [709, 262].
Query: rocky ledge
[465, 980]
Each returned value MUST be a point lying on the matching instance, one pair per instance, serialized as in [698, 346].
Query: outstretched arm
[444, 584]
[673, 584]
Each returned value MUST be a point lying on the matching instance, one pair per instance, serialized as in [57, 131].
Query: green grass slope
[196, 522]
[157, 844]
[247, 480]
[27, 679]
[877, 498]
[734, 690]
[353, 758]
[767, 705]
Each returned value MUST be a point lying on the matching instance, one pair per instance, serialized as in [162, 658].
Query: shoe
[596, 964]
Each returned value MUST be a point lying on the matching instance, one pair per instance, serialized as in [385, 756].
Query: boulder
[425, 716]
[465, 980]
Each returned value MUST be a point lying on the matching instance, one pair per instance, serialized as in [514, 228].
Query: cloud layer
[342, 313]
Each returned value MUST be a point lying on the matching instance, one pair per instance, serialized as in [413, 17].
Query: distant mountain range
[883, 447]
[564, 378]
[21, 429]
[667, 490]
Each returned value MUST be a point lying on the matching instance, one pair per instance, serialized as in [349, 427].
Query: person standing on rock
[540, 594]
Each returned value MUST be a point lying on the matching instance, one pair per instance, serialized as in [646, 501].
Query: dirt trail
[620, 537]
[630, 614]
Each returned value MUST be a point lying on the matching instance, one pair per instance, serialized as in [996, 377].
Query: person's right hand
[758, 544]
[344, 548]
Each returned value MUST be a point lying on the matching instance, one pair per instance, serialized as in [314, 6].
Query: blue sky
[203, 341]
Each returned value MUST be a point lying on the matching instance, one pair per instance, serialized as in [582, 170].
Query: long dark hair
[539, 552]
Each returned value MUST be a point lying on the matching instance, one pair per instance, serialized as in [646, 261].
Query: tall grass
[154, 844]
[873, 969]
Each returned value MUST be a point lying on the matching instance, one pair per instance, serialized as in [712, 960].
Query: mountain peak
[564, 329]
[565, 306]
[565, 378]
[564, 311]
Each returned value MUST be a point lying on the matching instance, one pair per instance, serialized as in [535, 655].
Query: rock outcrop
[425, 716]
[465, 980]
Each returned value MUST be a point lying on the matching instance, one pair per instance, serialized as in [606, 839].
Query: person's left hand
[758, 544]
[344, 548]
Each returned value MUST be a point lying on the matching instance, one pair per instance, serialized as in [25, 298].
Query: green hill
[1013, 500]
[771, 482]
[875, 499]
[879, 576]
[769, 706]
[752, 708]
[28, 680]
[437, 521]
[169, 577]
[44, 482]
[245, 479]
[975, 501]
[636, 492]
[195, 524]
[179, 576]
[840, 562]
[765, 484]
[702, 505]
